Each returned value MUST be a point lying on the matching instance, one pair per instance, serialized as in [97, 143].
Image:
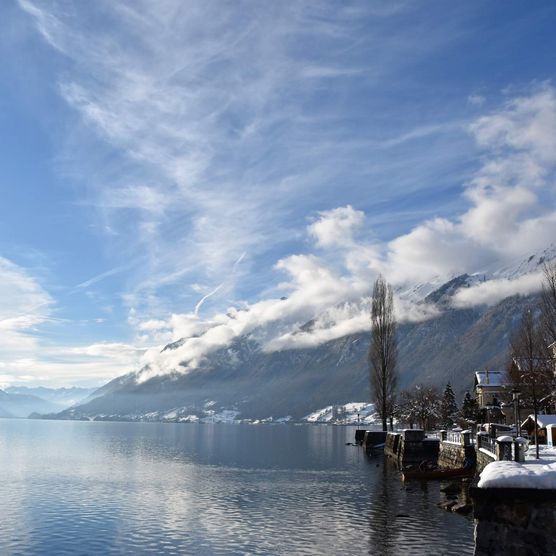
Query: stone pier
[411, 446]
[372, 439]
[456, 450]
[514, 521]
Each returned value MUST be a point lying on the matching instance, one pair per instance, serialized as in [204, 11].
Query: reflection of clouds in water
[14, 514]
[160, 488]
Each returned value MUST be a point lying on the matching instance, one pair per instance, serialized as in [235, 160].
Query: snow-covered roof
[542, 420]
[491, 378]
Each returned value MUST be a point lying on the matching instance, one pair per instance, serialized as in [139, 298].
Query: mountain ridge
[295, 382]
[246, 378]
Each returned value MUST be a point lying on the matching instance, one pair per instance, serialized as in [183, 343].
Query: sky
[203, 170]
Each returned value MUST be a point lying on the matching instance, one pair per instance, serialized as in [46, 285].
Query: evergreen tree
[469, 408]
[448, 407]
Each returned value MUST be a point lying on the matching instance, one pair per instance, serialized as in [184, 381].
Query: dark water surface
[144, 488]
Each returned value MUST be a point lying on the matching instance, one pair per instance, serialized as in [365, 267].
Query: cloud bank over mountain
[506, 219]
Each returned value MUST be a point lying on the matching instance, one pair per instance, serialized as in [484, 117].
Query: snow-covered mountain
[354, 413]
[530, 265]
[22, 405]
[247, 380]
[22, 401]
[58, 397]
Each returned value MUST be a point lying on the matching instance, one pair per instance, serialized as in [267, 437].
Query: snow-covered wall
[514, 521]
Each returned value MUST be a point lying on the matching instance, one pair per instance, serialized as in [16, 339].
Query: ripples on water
[130, 488]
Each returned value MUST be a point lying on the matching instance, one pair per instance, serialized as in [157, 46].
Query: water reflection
[112, 488]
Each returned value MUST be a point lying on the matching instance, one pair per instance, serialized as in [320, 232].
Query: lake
[73, 487]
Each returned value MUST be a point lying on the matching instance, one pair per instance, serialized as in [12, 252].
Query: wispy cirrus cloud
[511, 197]
[505, 208]
[27, 312]
[25, 305]
[205, 134]
[224, 121]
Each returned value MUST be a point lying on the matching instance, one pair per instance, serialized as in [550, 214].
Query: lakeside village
[501, 445]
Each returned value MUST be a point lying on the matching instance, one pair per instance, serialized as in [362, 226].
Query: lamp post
[515, 398]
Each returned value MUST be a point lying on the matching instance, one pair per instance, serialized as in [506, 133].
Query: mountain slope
[257, 384]
[22, 405]
[58, 397]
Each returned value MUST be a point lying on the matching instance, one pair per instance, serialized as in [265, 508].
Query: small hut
[543, 421]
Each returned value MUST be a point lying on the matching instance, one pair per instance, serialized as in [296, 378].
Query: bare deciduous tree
[383, 350]
[405, 408]
[421, 405]
[548, 302]
[531, 361]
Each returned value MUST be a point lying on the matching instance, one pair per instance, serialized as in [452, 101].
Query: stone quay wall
[417, 451]
[411, 446]
[514, 521]
[484, 458]
[392, 444]
[454, 456]
[372, 439]
[360, 436]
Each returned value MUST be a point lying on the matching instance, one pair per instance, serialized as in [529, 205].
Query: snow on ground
[349, 413]
[224, 416]
[353, 413]
[545, 453]
[271, 420]
[286, 419]
[189, 419]
[534, 473]
[509, 474]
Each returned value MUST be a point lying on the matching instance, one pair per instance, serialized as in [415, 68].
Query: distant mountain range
[245, 381]
[21, 401]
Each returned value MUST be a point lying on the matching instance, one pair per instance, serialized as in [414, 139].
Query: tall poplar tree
[383, 350]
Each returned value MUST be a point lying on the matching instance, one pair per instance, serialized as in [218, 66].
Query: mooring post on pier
[520, 449]
[504, 448]
[466, 439]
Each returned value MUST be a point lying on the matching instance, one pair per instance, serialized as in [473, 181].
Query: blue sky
[158, 153]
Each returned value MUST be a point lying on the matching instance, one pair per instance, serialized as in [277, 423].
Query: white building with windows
[491, 387]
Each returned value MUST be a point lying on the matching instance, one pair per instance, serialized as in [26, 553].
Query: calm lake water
[130, 488]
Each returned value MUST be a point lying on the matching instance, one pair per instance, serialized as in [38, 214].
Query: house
[543, 421]
[491, 387]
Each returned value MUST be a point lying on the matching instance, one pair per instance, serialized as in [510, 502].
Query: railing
[504, 447]
[454, 436]
[487, 443]
[459, 437]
